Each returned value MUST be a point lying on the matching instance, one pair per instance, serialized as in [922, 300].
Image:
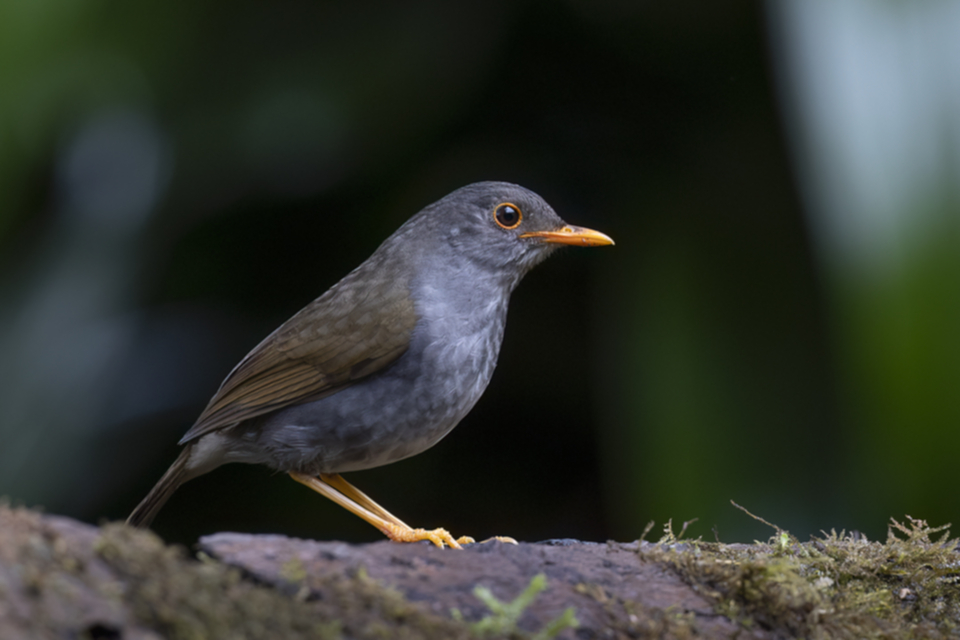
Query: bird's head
[497, 226]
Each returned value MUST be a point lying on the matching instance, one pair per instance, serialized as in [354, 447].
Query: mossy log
[63, 579]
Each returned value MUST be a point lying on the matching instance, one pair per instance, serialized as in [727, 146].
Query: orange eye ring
[507, 215]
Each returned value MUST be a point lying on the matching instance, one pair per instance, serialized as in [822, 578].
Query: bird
[385, 363]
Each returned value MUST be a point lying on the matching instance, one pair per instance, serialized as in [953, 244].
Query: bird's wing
[347, 334]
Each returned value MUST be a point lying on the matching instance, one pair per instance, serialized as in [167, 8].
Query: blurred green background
[777, 324]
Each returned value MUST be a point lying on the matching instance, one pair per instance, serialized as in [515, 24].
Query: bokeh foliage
[710, 355]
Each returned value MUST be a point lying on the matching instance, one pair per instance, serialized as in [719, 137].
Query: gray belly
[396, 413]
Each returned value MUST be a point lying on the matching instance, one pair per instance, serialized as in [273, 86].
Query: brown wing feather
[350, 332]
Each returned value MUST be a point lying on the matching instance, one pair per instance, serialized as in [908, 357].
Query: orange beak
[579, 236]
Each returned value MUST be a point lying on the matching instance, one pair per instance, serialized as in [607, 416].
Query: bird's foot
[439, 537]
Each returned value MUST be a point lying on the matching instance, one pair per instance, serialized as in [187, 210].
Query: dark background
[178, 179]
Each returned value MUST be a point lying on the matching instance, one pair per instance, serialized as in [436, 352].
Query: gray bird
[384, 364]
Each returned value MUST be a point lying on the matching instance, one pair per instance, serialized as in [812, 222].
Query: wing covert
[345, 335]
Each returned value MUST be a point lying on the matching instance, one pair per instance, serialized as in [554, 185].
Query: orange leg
[336, 481]
[334, 487]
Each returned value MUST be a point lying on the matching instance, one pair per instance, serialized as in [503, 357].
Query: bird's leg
[336, 481]
[356, 502]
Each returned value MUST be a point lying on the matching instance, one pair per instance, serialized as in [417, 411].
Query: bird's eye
[507, 215]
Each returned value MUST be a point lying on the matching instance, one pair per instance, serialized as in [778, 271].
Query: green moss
[636, 620]
[835, 586]
[503, 618]
[293, 571]
[184, 599]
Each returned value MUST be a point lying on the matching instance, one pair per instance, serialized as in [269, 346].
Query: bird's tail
[175, 476]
